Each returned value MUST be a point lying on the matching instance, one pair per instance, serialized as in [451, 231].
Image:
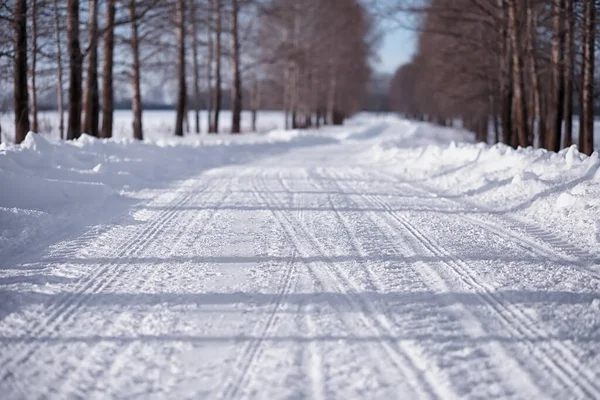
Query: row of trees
[524, 67]
[308, 57]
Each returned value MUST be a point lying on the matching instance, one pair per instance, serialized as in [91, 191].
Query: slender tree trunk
[556, 106]
[255, 102]
[236, 87]
[136, 100]
[586, 129]
[107, 71]
[534, 74]
[194, 17]
[21, 97]
[331, 94]
[569, 73]
[75, 70]
[181, 92]
[218, 89]
[506, 85]
[59, 73]
[286, 95]
[34, 51]
[494, 112]
[209, 76]
[518, 82]
[91, 102]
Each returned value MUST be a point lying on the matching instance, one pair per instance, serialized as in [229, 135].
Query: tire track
[251, 353]
[143, 281]
[544, 243]
[66, 304]
[362, 306]
[557, 357]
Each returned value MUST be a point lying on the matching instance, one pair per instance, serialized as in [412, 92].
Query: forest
[522, 69]
[307, 57]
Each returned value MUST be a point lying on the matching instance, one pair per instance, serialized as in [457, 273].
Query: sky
[397, 48]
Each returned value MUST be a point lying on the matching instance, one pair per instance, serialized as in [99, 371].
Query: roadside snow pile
[558, 191]
[52, 186]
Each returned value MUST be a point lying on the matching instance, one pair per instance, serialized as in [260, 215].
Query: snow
[381, 259]
[156, 123]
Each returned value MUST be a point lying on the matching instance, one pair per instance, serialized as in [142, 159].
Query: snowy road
[306, 274]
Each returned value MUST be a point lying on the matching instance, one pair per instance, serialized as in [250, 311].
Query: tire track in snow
[315, 368]
[363, 307]
[557, 357]
[67, 303]
[251, 352]
[473, 325]
[543, 243]
[144, 281]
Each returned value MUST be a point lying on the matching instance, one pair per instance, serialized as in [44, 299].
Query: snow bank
[53, 186]
[558, 191]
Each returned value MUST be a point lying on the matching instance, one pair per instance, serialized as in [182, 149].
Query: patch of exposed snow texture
[382, 259]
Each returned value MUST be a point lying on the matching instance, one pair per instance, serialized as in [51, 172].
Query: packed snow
[382, 259]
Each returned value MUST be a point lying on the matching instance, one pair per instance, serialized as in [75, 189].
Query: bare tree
[196, 65]
[107, 71]
[236, 84]
[75, 70]
[209, 77]
[537, 115]
[59, 71]
[91, 106]
[20, 71]
[34, 52]
[136, 100]
[569, 72]
[181, 85]
[218, 10]
[586, 127]
[557, 105]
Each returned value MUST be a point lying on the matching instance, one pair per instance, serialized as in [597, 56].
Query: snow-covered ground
[156, 123]
[383, 259]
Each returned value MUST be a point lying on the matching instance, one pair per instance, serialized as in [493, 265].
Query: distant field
[156, 123]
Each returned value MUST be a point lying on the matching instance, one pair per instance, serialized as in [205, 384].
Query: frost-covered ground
[382, 259]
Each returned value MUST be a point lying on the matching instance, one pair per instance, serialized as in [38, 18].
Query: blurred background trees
[521, 69]
[308, 57]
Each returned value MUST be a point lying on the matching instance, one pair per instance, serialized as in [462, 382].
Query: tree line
[307, 57]
[520, 68]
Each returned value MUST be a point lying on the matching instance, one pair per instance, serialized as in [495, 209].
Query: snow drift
[559, 191]
[51, 186]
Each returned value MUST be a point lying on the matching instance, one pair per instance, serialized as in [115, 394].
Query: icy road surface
[303, 274]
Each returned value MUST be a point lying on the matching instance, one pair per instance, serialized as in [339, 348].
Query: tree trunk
[136, 100]
[586, 128]
[181, 89]
[236, 87]
[518, 82]
[255, 102]
[556, 105]
[569, 74]
[534, 74]
[506, 86]
[34, 51]
[75, 70]
[209, 77]
[218, 90]
[196, 66]
[331, 98]
[20, 70]
[107, 72]
[286, 95]
[59, 73]
[91, 104]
